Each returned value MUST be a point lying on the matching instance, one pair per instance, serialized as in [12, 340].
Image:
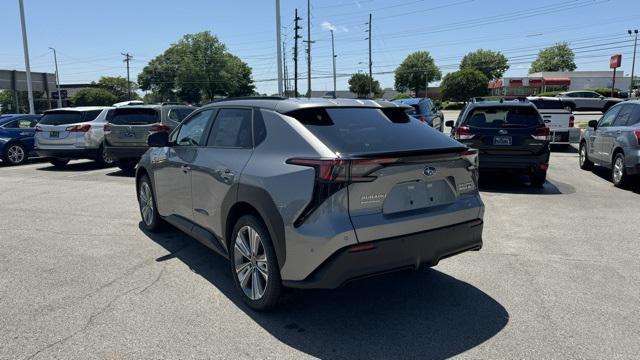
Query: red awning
[494, 84]
[557, 81]
[515, 82]
[535, 82]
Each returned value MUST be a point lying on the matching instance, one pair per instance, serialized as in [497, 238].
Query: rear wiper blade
[514, 125]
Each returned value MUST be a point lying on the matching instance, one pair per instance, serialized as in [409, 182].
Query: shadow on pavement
[564, 149]
[496, 182]
[605, 174]
[73, 166]
[121, 173]
[413, 314]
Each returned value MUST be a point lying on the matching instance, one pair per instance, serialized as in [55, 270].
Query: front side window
[232, 128]
[609, 116]
[192, 131]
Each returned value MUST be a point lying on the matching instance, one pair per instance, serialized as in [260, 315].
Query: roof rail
[172, 103]
[249, 98]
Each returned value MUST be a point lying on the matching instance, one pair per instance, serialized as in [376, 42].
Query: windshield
[499, 117]
[61, 117]
[179, 114]
[135, 116]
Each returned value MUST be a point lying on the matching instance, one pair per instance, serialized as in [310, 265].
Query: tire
[126, 165]
[583, 157]
[618, 172]
[259, 270]
[15, 154]
[103, 159]
[151, 219]
[538, 179]
[570, 107]
[59, 163]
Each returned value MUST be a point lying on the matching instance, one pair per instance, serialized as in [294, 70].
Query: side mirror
[159, 139]
[434, 110]
[601, 97]
[449, 123]
[593, 124]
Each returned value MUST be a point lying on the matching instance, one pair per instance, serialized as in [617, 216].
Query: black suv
[510, 136]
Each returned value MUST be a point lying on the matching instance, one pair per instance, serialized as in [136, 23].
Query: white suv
[73, 133]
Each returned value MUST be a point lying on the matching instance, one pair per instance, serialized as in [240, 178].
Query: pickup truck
[557, 118]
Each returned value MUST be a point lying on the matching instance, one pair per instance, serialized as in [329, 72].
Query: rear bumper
[526, 164]
[409, 251]
[67, 153]
[118, 152]
[632, 161]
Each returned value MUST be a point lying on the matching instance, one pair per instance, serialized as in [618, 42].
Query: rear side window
[635, 117]
[232, 128]
[177, 115]
[499, 117]
[134, 116]
[624, 115]
[548, 104]
[365, 130]
[91, 115]
[61, 117]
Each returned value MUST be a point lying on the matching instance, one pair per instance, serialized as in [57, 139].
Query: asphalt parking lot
[558, 277]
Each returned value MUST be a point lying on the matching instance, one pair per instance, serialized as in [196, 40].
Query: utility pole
[284, 69]
[295, 54]
[426, 84]
[633, 64]
[333, 57]
[27, 66]
[370, 62]
[127, 58]
[55, 60]
[279, 46]
[309, 42]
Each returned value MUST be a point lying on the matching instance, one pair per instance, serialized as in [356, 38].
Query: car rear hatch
[60, 127]
[402, 177]
[130, 127]
[504, 130]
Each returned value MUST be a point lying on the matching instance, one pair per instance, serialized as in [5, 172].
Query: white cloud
[328, 26]
[358, 4]
[344, 28]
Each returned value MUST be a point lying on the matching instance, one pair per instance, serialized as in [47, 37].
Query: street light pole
[55, 60]
[633, 63]
[279, 48]
[26, 58]
[333, 57]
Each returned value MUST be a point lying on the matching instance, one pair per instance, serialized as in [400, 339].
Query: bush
[401, 96]
[453, 106]
[549, 93]
[94, 97]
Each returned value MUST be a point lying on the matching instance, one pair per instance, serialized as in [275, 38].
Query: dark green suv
[128, 127]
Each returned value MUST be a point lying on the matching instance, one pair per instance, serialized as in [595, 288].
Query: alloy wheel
[583, 154]
[618, 170]
[106, 158]
[16, 154]
[146, 203]
[250, 260]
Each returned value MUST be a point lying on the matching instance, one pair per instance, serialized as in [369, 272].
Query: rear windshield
[368, 130]
[61, 117]
[548, 104]
[134, 117]
[499, 117]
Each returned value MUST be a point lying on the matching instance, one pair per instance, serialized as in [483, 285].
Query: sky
[90, 35]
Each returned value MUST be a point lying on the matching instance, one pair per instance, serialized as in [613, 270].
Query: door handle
[185, 168]
[547, 121]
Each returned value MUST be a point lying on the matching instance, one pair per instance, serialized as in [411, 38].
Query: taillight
[572, 120]
[38, 129]
[463, 133]
[542, 133]
[107, 129]
[160, 127]
[471, 155]
[422, 118]
[637, 133]
[79, 128]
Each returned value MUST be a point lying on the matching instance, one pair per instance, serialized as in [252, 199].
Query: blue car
[16, 137]
[425, 110]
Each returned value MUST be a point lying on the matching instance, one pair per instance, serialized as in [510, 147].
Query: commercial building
[536, 83]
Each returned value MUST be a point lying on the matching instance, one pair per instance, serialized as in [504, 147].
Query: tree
[415, 71]
[558, 57]
[491, 63]
[94, 97]
[359, 84]
[464, 84]
[197, 66]
[117, 85]
[8, 105]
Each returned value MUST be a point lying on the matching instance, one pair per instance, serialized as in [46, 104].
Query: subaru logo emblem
[502, 132]
[429, 171]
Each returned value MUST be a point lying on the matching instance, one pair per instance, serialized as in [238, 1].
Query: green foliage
[359, 84]
[464, 84]
[491, 63]
[401, 96]
[453, 106]
[414, 72]
[606, 92]
[549, 93]
[558, 57]
[117, 85]
[94, 97]
[7, 102]
[197, 66]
